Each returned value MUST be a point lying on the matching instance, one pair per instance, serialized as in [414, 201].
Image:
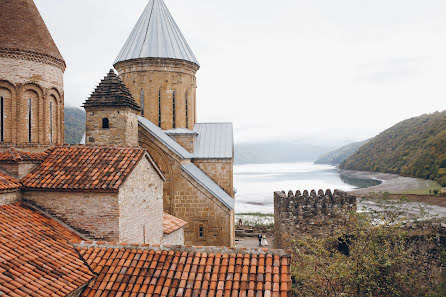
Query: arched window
[201, 231]
[30, 111]
[173, 110]
[105, 123]
[142, 102]
[2, 111]
[187, 115]
[159, 108]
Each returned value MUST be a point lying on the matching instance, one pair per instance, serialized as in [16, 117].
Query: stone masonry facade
[167, 81]
[220, 171]
[309, 214]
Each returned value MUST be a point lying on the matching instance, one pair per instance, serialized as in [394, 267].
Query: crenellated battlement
[309, 213]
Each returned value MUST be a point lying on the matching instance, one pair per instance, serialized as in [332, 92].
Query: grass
[429, 190]
[257, 214]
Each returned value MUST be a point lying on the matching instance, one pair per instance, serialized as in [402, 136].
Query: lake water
[256, 183]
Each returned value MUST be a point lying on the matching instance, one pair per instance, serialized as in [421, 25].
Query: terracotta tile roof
[81, 168]
[171, 223]
[186, 271]
[8, 183]
[14, 155]
[35, 256]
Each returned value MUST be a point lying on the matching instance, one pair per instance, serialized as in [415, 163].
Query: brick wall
[95, 215]
[10, 197]
[122, 131]
[141, 206]
[309, 213]
[174, 238]
[17, 170]
[20, 80]
[220, 171]
[167, 76]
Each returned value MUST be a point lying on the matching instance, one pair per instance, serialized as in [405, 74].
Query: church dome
[23, 31]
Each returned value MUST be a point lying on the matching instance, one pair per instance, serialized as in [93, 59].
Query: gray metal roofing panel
[214, 140]
[156, 35]
[209, 184]
[159, 134]
[180, 131]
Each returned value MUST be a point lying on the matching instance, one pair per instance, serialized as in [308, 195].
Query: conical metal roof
[156, 35]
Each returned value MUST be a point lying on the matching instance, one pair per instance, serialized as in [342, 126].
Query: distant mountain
[414, 147]
[277, 152]
[339, 155]
[74, 124]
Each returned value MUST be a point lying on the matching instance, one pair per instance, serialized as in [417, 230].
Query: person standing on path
[260, 239]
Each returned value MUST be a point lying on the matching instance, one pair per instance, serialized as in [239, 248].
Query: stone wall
[96, 215]
[174, 238]
[220, 171]
[185, 140]
[122, 130]
[162, 78]
[21, 80]
[141, 206]
[18, 169]
[10, 197]
[309, 213]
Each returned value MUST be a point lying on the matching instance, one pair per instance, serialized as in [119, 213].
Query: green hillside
[414, 147]
[74, 124]
[339, 155]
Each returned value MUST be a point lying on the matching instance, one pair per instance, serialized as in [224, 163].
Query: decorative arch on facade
[31, 109]
[8, 95]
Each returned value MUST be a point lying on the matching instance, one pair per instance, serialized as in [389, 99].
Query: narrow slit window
[29, 120]
[142, 102]
[105, 123]
[159, 108]
[187, 115]
[173, 110]
[2, 120]
[51, 122]
[201, 231]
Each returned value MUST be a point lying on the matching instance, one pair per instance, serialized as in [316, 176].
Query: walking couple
[262, 240]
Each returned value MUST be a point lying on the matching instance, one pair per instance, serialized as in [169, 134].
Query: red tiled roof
[14, 155]
[8, 183]
[35, 256]
[171, 223]
[78, 168]
[186, 271]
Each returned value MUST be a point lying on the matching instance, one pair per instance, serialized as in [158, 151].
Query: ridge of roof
[13, 155]
[23, 29]
[172, 223]
[8, 183]
[111, 92]
[156, 35]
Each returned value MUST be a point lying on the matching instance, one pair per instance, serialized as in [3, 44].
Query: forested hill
[414, 147]
[338, 156]
[74, 124]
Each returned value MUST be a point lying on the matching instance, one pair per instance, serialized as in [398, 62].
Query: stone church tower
[31, 79]
[111, 114]
[159, 68]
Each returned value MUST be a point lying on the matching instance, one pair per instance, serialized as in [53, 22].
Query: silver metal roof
[165, 139]
[200, 177]
[156, 35]
[180, 131]
[214, 140]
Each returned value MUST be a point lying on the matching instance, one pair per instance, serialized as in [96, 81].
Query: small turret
[112, 114]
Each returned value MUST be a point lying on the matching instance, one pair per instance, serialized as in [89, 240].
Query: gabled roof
[8, 183]
[35, 256]
[204, 180]
[111, 92]
[129, 270]
[156, 35]
[214, 141]
[22, 28]
[80, 168]
[14, 155]
[171, 223]
[165, 139]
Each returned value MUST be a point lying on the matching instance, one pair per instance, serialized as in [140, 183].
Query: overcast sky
[286, 69]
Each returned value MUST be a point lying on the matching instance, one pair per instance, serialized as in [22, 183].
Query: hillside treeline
[415, 147]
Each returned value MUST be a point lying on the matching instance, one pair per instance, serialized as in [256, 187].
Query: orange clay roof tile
[171, 223]
[180, 271]
[80, 168]
[35, 256]
[8, 183]
[14, 155]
